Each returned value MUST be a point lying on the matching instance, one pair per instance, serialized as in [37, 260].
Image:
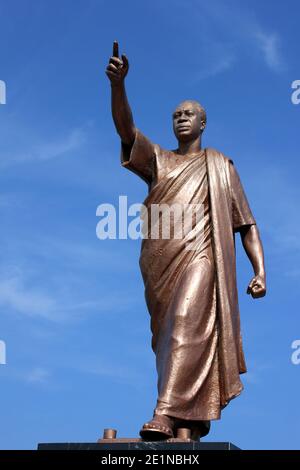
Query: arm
[116, 71]
[253, 247]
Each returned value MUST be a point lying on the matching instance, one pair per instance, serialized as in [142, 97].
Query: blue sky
[72, 311]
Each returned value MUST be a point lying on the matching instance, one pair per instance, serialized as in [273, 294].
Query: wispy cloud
[21, 294]
[216, 62]
[269, 44]
[257, 372]
[107, 368]
[71, 142]
[37, 375]
[225, 33]
[223, 64]
[68, 254]
[32, 302]
[22, 150]
[30, 375]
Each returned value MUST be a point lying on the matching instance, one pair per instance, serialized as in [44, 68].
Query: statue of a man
[191, 295]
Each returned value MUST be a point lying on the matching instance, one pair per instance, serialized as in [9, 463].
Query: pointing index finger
[116, 49]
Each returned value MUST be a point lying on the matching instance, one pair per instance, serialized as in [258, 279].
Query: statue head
[189, 120]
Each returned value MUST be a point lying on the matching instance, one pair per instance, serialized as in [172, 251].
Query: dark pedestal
[139, 445]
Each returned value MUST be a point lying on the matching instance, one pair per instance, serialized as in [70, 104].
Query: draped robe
[191, 295]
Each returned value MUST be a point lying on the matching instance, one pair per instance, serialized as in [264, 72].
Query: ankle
[164, 420]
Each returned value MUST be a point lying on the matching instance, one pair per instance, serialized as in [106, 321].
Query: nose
[182, 118]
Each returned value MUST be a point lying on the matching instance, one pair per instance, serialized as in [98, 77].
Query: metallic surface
[109, 434]
[191, 294]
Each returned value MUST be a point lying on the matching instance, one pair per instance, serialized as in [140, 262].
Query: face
[187, 122]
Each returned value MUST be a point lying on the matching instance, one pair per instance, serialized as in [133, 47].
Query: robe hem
[187, 418]
[200, 418]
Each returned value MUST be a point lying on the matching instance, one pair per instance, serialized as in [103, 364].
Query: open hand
[117, 68]
[257, 287]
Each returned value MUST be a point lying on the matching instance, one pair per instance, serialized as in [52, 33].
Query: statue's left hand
[257, 287]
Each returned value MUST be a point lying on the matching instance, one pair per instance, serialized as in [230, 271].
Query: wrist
[117, 85]
[261, 273]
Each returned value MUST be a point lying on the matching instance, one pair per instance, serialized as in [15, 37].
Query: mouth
[183, 128]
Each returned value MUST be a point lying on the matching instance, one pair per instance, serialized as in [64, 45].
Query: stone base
[138, 444]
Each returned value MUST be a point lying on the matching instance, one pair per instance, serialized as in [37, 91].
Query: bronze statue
[191, 295]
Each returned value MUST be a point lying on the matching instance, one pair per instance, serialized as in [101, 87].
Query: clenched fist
[117, 68]
[257, 287]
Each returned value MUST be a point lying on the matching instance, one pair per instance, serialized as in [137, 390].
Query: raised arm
[116, 71]
[253, 247]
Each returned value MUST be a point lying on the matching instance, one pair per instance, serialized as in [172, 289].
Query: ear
[203, 125]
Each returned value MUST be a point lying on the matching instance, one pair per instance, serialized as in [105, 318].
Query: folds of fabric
[180, 291]
[191, 294]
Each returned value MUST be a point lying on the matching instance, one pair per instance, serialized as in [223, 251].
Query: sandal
[159, 428]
